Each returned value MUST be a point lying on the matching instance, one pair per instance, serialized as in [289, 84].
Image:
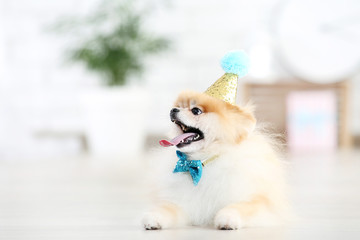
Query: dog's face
[210, 120]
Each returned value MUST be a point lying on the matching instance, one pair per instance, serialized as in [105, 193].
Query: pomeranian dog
[240, 182]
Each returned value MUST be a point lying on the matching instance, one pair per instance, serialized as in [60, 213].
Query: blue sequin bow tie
[194, 167]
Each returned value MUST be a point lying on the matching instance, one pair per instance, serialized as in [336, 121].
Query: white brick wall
[36, 90]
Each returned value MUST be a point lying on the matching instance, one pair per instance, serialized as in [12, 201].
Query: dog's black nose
[173, 113]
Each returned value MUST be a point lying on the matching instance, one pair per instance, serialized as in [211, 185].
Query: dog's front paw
[152, 221]
[228, 219]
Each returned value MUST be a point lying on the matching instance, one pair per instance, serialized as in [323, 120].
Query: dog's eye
[196, 111]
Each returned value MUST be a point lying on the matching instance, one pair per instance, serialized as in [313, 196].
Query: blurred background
[89, 82]
[78, 78]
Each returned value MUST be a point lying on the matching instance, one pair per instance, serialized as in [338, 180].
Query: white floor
[85, 199]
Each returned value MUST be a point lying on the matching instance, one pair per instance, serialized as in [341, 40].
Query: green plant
[113, 40]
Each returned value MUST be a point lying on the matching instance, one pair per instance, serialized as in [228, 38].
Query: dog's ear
[243, 121]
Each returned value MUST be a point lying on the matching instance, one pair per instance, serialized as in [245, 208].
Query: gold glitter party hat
[235, 64]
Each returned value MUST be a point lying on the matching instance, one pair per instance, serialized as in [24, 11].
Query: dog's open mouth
[189, 135]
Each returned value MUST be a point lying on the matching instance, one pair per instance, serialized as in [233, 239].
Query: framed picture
[311, 120]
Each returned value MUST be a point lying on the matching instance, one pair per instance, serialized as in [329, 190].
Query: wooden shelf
[270, 102]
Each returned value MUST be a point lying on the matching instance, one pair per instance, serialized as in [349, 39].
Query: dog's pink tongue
[176, 140]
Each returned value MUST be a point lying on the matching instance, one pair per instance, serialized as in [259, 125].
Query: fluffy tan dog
[242, 182]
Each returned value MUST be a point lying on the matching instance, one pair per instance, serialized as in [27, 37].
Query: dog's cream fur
[243, 187]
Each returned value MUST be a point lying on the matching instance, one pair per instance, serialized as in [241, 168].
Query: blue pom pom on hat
[235, 64]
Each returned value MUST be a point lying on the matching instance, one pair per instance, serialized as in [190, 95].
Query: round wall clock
[319, 40]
